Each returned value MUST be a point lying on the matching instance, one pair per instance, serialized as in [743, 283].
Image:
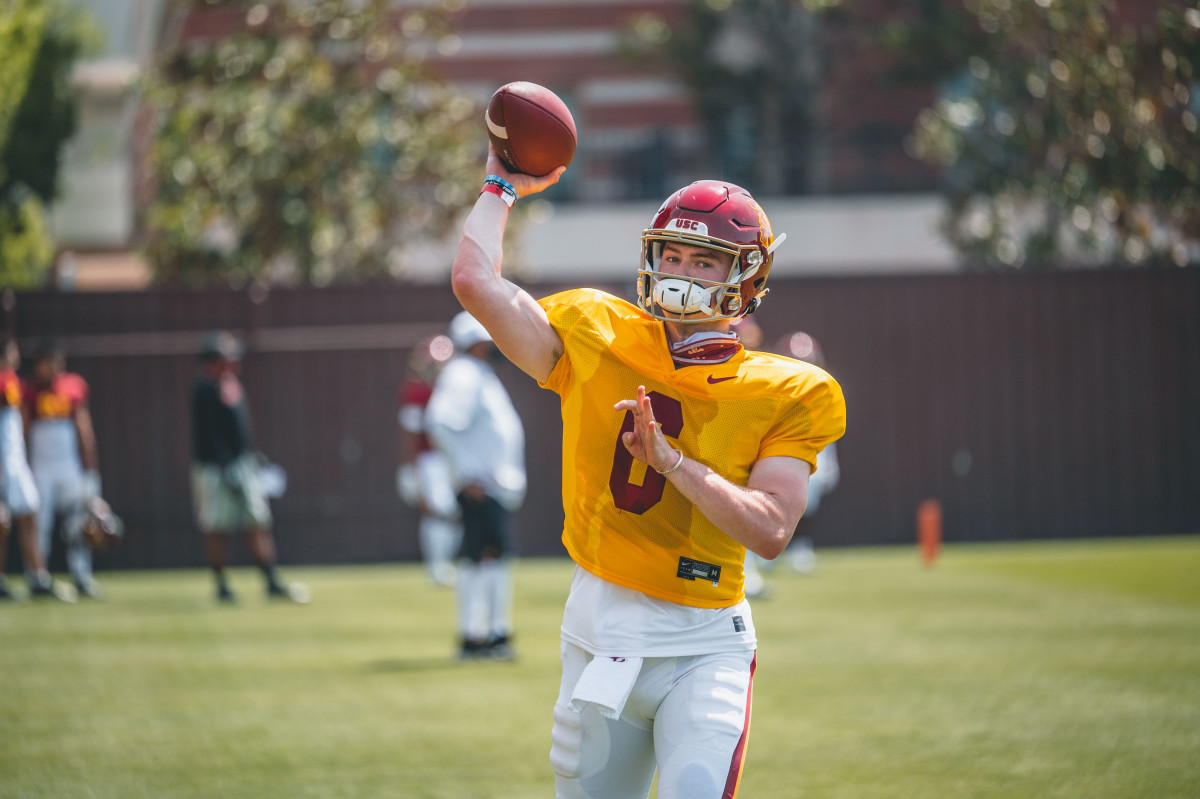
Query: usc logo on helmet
[693, 225]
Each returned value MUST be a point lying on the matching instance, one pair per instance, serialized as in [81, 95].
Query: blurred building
[854, 202]
[94, 221]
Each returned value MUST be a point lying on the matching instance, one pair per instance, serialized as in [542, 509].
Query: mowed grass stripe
[1018, 670]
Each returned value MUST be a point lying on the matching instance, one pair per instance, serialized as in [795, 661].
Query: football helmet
[719, 216]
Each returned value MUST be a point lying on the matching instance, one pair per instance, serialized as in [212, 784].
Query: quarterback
[681, 450]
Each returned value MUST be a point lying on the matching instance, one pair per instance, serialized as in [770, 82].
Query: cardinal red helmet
[719, 216]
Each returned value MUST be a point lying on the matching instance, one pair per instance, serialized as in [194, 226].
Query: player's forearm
[475, 276]
[88, 454]
[753, 518]
[516, 323]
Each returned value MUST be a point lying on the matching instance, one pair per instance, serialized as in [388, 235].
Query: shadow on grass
[411, 664]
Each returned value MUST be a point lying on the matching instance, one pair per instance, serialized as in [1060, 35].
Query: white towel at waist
[606, 682]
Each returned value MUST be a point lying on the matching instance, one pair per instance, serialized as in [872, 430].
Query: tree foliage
[754, 69]
[1065, 135]
[311, 144]
[41, 40]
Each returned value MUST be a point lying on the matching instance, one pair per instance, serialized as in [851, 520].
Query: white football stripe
[497, 130]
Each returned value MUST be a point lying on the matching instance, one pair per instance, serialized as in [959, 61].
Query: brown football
[531, 128]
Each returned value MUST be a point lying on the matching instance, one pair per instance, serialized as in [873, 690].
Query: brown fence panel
[1032, 405]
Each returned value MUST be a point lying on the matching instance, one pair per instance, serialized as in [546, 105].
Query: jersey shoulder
[71, 387]
[567, 307]
[787, 374]
[588, 319]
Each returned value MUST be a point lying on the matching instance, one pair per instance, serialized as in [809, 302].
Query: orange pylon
[929, 531]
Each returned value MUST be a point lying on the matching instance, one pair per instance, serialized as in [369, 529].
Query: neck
[677, 331]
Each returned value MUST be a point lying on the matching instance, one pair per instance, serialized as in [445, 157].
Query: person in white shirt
[471, 420]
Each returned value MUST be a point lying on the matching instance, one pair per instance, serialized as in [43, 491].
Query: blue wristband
[502, 188]
[499, 181]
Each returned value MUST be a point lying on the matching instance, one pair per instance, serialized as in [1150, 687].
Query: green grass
[1031, 670]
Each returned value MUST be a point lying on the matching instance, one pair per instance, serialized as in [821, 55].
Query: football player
[681, 450]
[19, 500]
[62, 454]
[422, 477]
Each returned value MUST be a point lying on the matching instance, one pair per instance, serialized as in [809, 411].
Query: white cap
[466, 332]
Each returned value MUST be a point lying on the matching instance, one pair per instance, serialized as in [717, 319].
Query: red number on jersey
[668, 412]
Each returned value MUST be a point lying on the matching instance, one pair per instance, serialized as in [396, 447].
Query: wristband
[678, 463]
[494, 184]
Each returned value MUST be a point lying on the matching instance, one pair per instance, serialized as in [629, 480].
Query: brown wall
[1068, 401]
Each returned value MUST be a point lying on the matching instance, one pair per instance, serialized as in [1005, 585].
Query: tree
[754, 68]
[1066, 135]
[311, 144]
[41, 41]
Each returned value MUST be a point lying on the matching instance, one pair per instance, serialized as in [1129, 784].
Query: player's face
[47, 367]
[686, 260]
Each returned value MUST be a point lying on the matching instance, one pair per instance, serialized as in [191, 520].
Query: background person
[680, 451]
[64, 460]
[19, 501]
[750, 334]
[226, 490]
[474, 424]
[800, 555]
[423, 477]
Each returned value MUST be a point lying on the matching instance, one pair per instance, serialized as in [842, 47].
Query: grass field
[1008, 671]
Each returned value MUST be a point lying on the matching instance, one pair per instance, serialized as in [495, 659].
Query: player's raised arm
[516, 322]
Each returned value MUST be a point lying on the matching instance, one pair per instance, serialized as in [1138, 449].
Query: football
[531, 128]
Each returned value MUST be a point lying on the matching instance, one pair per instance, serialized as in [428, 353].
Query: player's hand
[89, 485]
[524, 184]
[407, 484]
[646, 442]
[474, 492]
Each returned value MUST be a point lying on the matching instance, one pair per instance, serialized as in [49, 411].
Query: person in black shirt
[226, 489]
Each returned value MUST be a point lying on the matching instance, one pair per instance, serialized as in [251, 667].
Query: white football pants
[687, 716]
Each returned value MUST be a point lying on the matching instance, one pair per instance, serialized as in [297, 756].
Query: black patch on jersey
[739, 625]
[697, 569]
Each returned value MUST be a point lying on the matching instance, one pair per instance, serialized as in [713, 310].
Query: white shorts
[689, 717]
[229, 499]
[433, 483]
[17, 490]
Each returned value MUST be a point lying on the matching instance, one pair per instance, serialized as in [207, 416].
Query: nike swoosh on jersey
[712, 379]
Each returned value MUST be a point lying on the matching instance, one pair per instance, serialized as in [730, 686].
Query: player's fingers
[644, 403]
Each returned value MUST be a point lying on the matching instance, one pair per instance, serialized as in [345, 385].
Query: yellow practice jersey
[628, 524]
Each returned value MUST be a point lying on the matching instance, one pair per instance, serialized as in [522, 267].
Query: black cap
[220, 344]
